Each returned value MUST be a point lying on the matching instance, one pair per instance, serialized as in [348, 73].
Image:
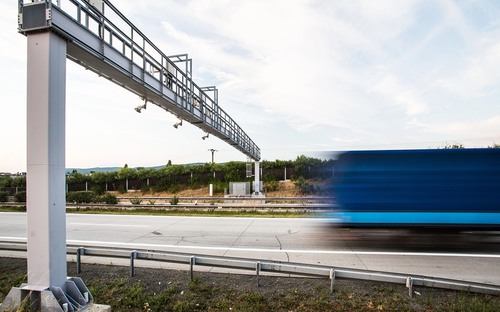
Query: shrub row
[305, 187]
[19, 197]
[71, 197]
[87, 197]
[3, 197]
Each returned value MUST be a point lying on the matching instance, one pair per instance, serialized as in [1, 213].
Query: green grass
[181, 212]
[188, 212]
[170, 290]
[126, 295]
[13, 209]
[9, 279]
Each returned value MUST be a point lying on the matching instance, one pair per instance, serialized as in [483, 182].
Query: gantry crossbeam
[101, 39]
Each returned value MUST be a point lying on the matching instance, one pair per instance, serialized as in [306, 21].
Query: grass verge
[180, 212]
[172, 290]
[12, 208]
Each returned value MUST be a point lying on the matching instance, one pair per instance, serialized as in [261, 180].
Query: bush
[121, 189]
[81, 197]
[175, 188]
[108, 198]
[271, 186]
[219, 187]
[304, 186]
[88, 197]
[146, 189]
[136, 201]
[174, 200]
[20, 197]
[3, 197]
[98, 189]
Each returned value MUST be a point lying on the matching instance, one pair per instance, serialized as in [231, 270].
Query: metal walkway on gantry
[101, 39]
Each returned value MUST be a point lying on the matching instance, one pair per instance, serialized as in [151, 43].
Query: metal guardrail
[193, 205]
[210, 207]
[258, 266]
[237, 198]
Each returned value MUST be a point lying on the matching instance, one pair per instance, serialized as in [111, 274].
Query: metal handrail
[258, 266]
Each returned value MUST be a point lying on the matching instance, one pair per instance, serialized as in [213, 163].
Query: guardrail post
[79, 252]
[409, 284]
[192, 262]
[133, 256]
[332, 279]
[257, 269]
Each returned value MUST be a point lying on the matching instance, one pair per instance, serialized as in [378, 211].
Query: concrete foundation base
[36, 298]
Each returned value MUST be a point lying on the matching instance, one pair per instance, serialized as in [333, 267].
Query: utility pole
[213, 151]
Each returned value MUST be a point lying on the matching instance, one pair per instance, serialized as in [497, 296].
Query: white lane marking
[17, 239]
[109, 224]
[166, 216]
[333, 252]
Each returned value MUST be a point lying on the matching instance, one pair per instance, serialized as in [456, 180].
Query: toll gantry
[94, 34]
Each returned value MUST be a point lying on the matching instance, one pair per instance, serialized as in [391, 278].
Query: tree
[277, 164]
[454, 145]
[146, 173]
[5, 181]
[19, 181]
[303, 164]
[126, 173]
[234, 171]
[76, 177]
[104, 177]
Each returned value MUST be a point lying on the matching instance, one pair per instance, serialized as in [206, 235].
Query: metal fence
[11, 191]
[267, 174]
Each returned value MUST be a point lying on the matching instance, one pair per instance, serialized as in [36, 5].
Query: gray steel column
[257, 178]
[46, 201]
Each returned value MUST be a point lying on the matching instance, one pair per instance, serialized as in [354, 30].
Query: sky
[299, 77]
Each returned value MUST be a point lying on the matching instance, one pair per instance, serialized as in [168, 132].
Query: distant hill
[95, 169]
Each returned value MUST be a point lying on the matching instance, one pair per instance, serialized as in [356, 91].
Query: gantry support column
[257, 179]
[46, 201]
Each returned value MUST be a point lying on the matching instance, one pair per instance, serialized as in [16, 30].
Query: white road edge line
[333, 252]
[109, 224]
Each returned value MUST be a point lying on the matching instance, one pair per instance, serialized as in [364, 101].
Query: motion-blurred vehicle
[440, 188]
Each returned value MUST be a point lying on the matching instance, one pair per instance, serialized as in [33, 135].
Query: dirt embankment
[285, 189]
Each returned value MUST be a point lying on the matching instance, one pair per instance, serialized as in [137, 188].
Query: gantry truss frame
[102, 39]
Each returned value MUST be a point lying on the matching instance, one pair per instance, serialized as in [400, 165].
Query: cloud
[295, 54]
[468, 128]
[400, 95]
[478, 72]
[303, 73]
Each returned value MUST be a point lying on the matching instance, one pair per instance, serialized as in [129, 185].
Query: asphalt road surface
[465, 256]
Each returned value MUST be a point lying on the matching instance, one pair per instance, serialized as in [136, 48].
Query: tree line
[174, 178]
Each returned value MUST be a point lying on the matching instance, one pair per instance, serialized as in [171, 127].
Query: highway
[469, 257]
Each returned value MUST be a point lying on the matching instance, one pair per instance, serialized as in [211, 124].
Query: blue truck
[432, 188]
